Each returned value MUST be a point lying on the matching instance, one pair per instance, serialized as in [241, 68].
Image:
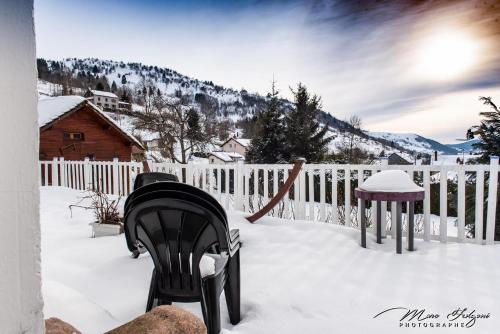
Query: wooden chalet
[74, 128]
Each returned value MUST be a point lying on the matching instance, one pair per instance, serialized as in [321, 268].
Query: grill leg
[379, 222]
[411, 226]
[399, 228]
[363, 223]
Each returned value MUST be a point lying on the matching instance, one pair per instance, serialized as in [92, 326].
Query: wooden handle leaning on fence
[145, 166]
[281, 192]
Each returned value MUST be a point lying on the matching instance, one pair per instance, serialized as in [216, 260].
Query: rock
[163, 319]
[57, 326]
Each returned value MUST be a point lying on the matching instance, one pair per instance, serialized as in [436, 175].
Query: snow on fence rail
[321, 192]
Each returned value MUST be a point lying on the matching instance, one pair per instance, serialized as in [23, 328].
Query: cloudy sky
[402, 66]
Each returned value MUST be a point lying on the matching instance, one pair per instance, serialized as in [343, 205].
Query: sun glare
[446, 56]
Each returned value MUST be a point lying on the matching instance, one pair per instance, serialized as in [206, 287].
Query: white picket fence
[316, 194]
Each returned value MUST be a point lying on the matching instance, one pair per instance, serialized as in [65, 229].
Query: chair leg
[152, 291]
[210, 304]
[232, 289]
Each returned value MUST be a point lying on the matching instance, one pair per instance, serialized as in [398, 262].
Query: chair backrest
[177, 226]
[175, 186]
[146, 178]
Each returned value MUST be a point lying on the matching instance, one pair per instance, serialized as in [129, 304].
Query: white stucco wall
[20, 297]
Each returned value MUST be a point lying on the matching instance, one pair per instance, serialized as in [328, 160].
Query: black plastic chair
[143, 179]
[178, 224]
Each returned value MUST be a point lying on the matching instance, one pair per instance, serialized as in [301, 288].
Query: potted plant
[108, 221]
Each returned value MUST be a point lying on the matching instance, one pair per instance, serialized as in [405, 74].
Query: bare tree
[350, 150]
[172, 119]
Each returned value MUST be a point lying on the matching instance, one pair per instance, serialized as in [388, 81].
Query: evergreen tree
[125, 97]
[124, 80]
[194, 131]
[43, 68]
[268, 143]
[99, 86]
[304, 137]
[488, 131]
[114, 88]
[489, 134]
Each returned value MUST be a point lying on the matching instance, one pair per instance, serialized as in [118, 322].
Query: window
[76, 136]
[106, 99]
[98, 99]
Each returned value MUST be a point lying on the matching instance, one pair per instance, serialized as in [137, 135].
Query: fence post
[443, 204]
[63, 172]
[116, 182]
[384, 162]
[492, 201]
[238, 184]
[87, 171]
[55, 174]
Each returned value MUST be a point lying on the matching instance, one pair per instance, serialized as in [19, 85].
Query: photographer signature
[464, 315]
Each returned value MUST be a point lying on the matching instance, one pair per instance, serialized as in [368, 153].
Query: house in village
[74, 128]
[233, 150]
[237, 145]
[396, 159]
[104, 100]
[224, 157]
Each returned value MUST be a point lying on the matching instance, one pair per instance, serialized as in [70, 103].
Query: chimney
[435, 156]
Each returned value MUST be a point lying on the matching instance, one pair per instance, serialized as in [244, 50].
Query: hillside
[414, 142]
[224, 103]
[466, 146]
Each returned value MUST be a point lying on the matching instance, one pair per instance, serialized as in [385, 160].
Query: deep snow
[297, 277]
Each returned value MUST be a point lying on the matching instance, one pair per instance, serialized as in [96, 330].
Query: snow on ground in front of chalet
[297, 277]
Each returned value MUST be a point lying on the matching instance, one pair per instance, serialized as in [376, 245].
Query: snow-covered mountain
[466, 146]
[225, 103]
[414, 142]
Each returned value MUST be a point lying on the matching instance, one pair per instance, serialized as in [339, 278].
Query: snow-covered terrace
[297, 277]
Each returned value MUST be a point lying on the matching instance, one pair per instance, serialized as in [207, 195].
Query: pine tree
[114, 88]
[304, 137]
[268, 142]
[194, 131]
[489, 145]
[488, 131]
[99, 86]
[124, 80]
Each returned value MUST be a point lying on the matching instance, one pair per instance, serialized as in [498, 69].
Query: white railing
[321, 192]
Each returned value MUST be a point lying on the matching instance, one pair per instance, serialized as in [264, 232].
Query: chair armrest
[234, 241]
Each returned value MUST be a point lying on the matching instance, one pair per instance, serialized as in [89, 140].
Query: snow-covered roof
[52, 108]
[243, 141]
[390, 181]
[227, 156]
[103, 93]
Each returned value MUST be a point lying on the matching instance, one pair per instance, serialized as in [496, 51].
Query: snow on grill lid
[54, 107]
[390, 181]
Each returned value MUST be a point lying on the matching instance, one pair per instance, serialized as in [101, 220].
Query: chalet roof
[396, 159]
[227, 156]
[51, 109]
[242, 141]
[103, 93]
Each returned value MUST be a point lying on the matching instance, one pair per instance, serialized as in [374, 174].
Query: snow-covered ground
[297, 277]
